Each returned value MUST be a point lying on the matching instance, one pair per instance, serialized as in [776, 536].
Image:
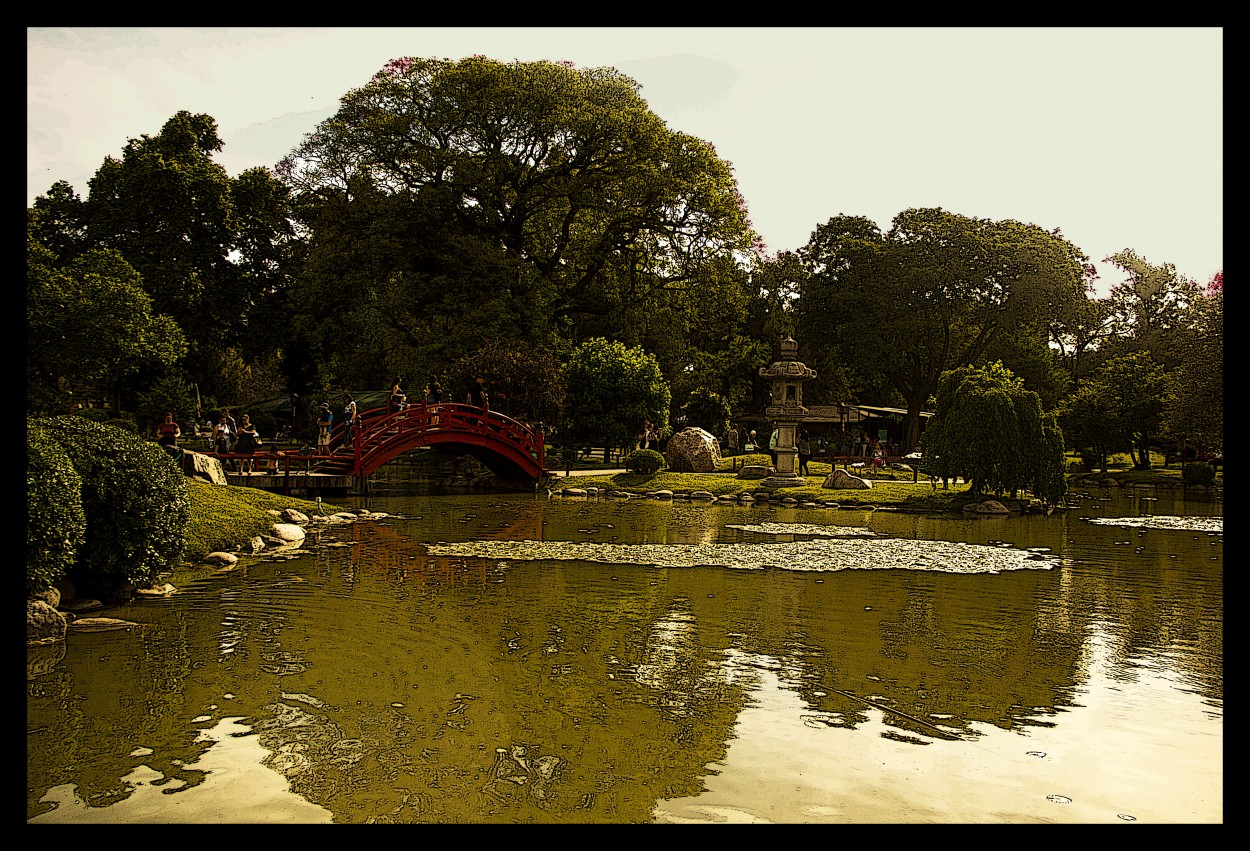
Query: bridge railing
[378, 429]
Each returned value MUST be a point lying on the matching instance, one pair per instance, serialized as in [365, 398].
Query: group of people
[433, 393]
[226, 437]
[651, 437]
[396, 401]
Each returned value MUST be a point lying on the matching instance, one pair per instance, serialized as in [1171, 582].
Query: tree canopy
[990, 430]
[206, 250]
[933, 293]
[565, 169]
[612, 391]
[89, 327]
[1194, 408]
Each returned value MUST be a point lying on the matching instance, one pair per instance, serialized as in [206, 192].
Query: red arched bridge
[510, 449]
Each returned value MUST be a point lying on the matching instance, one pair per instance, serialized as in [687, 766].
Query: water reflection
[464, 661]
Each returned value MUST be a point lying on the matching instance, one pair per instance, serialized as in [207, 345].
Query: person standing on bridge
[249, 439]
[395, 402]
[325, 421]
[222, 438]
[433, 395]
[350, 416]
[477, 396]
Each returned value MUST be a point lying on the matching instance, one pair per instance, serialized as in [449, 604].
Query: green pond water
[494, 658]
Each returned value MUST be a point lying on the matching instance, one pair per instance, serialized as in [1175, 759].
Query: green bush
[55, 522]
[96, 415]
[266, 424]
[1198, 474]
[134, 497]
[645, 461]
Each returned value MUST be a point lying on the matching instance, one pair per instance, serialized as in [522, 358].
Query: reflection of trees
[391, 685]
[916, 643]
[112, 693]
[467, 699]
[1162, 597]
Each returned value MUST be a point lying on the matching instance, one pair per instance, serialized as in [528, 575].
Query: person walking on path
[772, 444]
[325, 421]
[805, 453]
[732, 440]
[168, 431]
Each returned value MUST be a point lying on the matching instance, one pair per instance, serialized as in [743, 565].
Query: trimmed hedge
[1200, 473]
[135, 500]
[644, 461]
[55, 520]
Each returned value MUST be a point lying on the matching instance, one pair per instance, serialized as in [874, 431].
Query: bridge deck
[496, 439]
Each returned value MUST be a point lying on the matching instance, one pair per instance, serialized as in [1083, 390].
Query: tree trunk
[911, 425]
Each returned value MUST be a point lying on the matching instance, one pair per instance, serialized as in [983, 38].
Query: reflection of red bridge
[510, 449]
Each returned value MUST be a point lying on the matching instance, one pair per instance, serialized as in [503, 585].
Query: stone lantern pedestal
[786, 412]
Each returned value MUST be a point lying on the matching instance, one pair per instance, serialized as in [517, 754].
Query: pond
[493, 658]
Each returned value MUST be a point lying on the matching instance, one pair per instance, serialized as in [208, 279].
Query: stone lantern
[786, 412]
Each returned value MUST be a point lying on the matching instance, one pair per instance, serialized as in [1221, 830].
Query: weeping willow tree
[989, 430]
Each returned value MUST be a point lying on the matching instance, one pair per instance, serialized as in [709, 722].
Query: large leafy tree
[1089, 425]
[990, 430]
[1194, 410]
[576, 201]
[1149, 309]
[612, 391]
[934, 293]
[1119, 406]
[57, 221]
[1077, 329]
[393, 284]
[208, 248]
[522, 381]
[89, 327]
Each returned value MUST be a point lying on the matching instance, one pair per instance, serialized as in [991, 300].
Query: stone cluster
[52, 613]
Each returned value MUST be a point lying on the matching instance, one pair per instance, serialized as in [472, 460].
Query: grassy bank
[226, 518]
[890, 488]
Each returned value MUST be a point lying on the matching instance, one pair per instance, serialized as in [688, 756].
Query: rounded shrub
[1201, 473]
[96, 415]
[645, 461]
[267, 424]
[134, 497]
[55, 521]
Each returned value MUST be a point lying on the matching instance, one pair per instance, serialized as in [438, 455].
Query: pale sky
[1114, 135]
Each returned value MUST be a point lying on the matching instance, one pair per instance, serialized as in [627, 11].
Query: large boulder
[44, 624]
[692, 450]
[986, 506]
[204, 467]
[288, 532]
[842, 480]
